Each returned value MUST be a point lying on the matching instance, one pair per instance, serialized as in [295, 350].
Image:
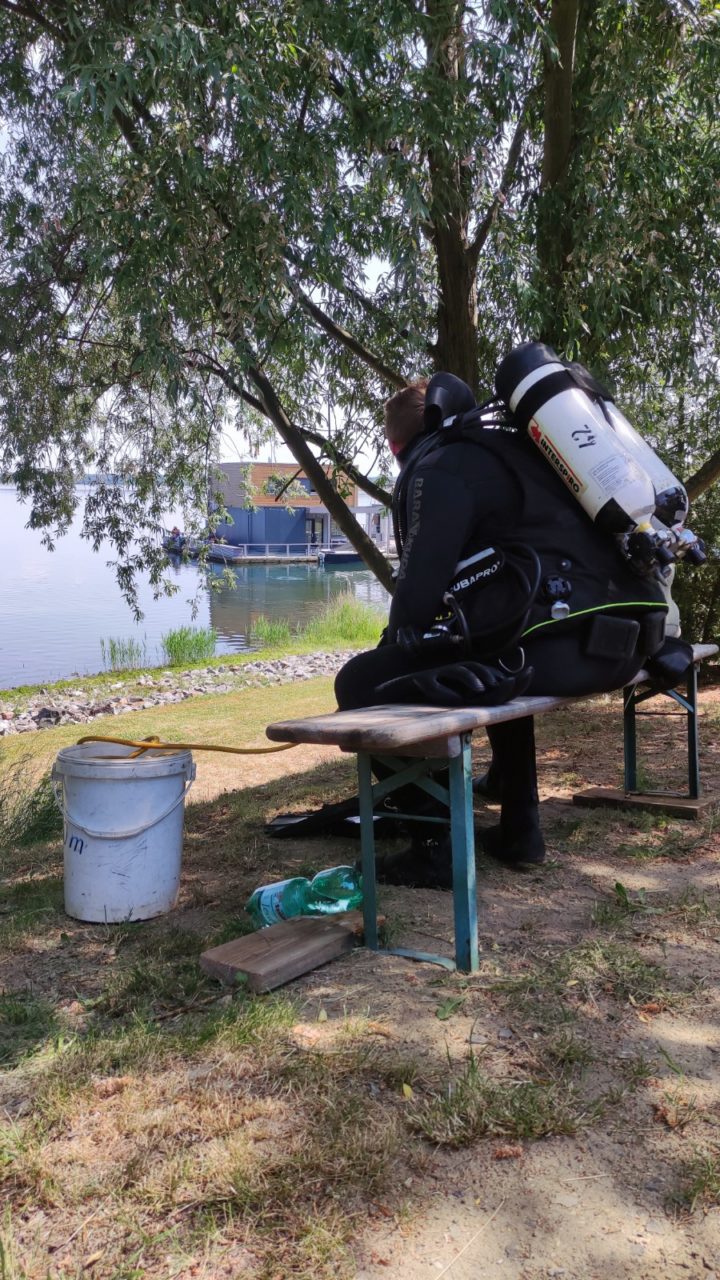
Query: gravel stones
[44, 710]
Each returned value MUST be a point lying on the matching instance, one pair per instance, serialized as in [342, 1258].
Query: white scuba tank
[671, 500]
[576, 439]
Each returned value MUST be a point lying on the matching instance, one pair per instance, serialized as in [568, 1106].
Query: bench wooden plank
[391, 727]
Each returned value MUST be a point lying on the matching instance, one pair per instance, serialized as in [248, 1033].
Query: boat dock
[343, 556]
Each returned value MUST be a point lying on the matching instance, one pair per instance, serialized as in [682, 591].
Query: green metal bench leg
[632, 697]
[692, 734]
[367, 850]
[458, 795]
[463, 856]
[629, 738]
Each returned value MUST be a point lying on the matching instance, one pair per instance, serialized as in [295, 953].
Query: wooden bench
[416, 742]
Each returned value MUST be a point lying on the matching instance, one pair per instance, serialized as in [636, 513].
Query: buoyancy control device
[617, 478]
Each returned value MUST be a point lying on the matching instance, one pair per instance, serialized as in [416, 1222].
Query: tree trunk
[554, 239]
[456, 348]
[558, 111]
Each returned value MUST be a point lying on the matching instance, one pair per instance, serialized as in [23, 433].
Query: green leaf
[449, 1007]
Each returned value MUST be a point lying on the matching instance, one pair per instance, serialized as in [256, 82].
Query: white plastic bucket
[123, 828]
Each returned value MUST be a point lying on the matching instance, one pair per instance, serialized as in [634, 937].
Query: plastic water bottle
[336, 889]
[329, 892]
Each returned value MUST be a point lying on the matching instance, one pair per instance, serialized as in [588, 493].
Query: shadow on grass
[26, 1023]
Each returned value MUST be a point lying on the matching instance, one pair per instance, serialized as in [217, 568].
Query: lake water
[57, 606]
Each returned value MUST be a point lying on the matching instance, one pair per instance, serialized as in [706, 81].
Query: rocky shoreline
[45, 709]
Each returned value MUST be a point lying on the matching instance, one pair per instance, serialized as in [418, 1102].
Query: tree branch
[287, 484]
[268, 404]
[210, 365]
[508, 175]
[351, 291]
[338, 509]
[706, 476]
[29, 10]
[352, 344]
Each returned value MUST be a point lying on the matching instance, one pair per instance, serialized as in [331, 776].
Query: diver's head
[404, 415]
[423, 406]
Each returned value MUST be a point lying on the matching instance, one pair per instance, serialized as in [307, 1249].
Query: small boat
[224, 553]
[347, 557]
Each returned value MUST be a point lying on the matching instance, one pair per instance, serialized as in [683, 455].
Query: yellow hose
[154, 744]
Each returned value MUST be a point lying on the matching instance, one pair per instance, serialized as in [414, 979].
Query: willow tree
[283, 208]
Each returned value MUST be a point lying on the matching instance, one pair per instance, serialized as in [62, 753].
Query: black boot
[517, 841]
[487, 786]
[425, 864]
[515, 849]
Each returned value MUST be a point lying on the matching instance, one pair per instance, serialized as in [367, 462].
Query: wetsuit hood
[446, 397]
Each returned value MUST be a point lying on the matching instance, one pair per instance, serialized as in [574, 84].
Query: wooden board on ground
[675, 806]
[277, 954]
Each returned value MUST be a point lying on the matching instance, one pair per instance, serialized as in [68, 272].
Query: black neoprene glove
[458, 684]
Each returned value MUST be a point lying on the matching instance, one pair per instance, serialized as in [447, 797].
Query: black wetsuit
[491, 490]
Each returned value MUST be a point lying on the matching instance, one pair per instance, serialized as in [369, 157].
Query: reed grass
[345, 621]
[188, 644]
[269, 633]
[123, 655]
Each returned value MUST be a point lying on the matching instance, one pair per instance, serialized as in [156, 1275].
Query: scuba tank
[616, 477]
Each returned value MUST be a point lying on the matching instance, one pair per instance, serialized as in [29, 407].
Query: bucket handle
[117, 835]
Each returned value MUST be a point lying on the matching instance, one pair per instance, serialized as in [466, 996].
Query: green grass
[269, 633]
[26, 1023]
[234, 719]
[344, 621]
[637, 837]
[29, 811]
[476, 1105]
[613, 912]
[27, 906]
[187, 645]
[123, 655]
[121, 1038]
[701, 1184]
[569, 1052]
[701, 910]
[10, 1268]
[548, 990]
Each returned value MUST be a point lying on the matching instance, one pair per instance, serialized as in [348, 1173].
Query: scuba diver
[505, 586]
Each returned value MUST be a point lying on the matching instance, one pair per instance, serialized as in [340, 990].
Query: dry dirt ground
[598, 990]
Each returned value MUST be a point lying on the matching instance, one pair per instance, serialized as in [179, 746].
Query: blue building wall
[264, 524]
